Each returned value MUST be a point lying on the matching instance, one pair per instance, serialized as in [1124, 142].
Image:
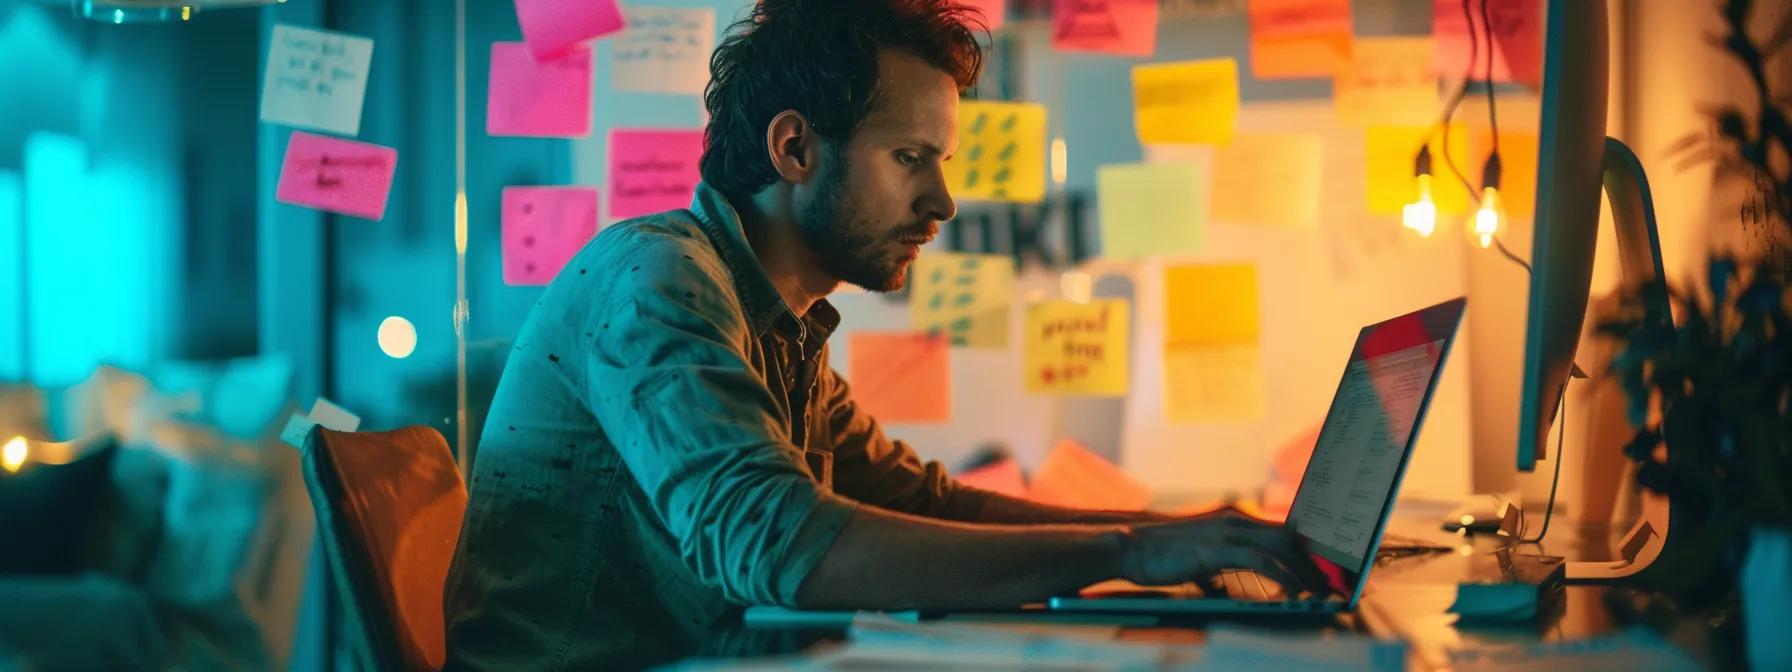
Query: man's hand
[1196, 549]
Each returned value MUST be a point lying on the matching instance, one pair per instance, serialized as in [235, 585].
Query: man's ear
[793, 146]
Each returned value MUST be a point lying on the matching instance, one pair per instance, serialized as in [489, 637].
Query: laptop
[1341, 510]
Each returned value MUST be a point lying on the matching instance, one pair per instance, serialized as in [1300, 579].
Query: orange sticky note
[1294, 39]
[1518, 168]
[1210, 304]
[1517, 39]
[1073, 477]
[901, 376]
[1389, 153]
[1002, 477]
[1120, 27]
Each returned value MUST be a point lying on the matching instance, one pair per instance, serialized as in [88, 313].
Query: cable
[1509, 255]
[1493, 118]
[1561, 433]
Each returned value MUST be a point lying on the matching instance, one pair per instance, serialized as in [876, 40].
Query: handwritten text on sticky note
[1294, 39]
[336, 175]
[1119, 27]
[664, 50]
[653, 171]
[1268, 179]
[544, 227]
[544, 99]
[1185, 103]
[552, 28]
[901, 377]
[1077, 348]
[1214, 383]
[315, 79]
[1151, 209]
[1001, 152]
[965, 297]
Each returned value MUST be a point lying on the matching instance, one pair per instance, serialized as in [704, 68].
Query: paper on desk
[1235, 648]
[1071, 476]
[1003, 477]
[884, 642]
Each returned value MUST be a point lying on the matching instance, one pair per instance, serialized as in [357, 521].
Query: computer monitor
[1576, 159]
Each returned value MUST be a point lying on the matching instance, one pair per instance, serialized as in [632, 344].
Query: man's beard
[839, 240]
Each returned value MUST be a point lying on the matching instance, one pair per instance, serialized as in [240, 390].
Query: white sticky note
[664, 50]
[315, 79]
[334, 417]
[297, 428]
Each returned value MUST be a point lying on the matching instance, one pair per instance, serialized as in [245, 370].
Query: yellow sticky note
[964, 297]
[1294, 39]
[1389, 81]
[1001, 152]
[1210, 304]
[1214, 384]
[1151, 208]
[1077, 348]
[1389, 154]
[1518, 166]
[901, 377]
[1268, 179]
[1185, 103]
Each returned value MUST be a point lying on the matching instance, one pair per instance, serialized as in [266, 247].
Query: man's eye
[909, 159]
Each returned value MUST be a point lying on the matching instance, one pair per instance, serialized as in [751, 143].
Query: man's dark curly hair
[819, 58]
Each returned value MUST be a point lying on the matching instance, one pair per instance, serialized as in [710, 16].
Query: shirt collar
[763, 305]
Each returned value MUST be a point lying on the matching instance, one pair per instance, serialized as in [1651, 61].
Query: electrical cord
[1561, 433]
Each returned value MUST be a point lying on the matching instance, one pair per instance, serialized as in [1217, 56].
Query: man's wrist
[1118, 542]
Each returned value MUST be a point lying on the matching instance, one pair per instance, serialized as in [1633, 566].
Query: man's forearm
[887, 560]
[1005, 510]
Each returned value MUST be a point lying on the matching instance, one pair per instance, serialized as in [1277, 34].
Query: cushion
[47, 511]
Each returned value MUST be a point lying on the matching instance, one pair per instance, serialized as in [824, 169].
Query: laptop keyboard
[1248, 586]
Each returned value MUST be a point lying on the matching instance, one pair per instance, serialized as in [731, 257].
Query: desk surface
[1408, 598]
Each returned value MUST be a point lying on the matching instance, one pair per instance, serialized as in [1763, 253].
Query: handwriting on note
[1001, 152]
[1268, 179]
[1213, 383]
[1389, 81]
[1119, 27]
[552, 28]
[664, 50]
[542, 99]
[964, 297]
[1077, 348]
[901, 376]
[1186, 102]
[653, 171]
[1517, 39]
[1296, 39]
[315, 79]
[543, 228]
[1151, 209]
[336, 175]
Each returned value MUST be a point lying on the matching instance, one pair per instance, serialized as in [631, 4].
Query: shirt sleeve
[872, 469]
[669, 382]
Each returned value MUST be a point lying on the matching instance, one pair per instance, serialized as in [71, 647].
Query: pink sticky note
[336, 175]
[543, 228]
[1121, 27]
[995, 12]
[553, 27]
[901, 376]
[544, 99]
[653, 171]
[1002, 477]
[1517, 40]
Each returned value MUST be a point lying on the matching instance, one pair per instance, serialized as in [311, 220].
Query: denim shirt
[667, 444]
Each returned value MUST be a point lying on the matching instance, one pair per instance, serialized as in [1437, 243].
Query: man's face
[879, 198]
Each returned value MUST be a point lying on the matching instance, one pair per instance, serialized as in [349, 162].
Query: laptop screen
[1363, 446]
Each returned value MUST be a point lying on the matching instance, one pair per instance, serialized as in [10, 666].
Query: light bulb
[12, 457]
[1487, 220]
[1421, 215]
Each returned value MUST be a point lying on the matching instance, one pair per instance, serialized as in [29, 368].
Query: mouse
[1478, 514]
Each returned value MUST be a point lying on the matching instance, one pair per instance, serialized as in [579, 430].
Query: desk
[1407, 598]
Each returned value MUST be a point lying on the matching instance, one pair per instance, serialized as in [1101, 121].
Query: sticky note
[336, 175]
[1389, 153]
[315, 79]
[1001, 153]
[543, 99]
[901, 376]
[1186, 102]
[1119, 27]
[653, 171]
[543, 227]
[1176, 10]
[1077, 348]
[1295, 39]
[1003, 477]
[1214, 383]
[552, 28]
[1151, 208]
[664, 50]
[1268, 179]
[1517, 39]
[994, 13]
[967, 298]
[1210, 304]
[1072, 476]
[1388, 81]
[1518, 168]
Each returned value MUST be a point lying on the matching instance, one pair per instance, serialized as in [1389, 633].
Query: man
[668, 442]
